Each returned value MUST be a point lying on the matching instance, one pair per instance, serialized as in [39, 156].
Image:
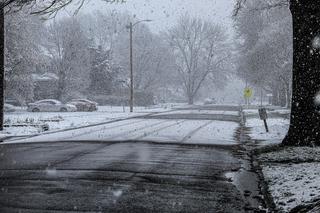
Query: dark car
[84, 105]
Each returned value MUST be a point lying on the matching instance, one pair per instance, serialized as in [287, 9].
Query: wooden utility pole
[131, 67]
[130, 26]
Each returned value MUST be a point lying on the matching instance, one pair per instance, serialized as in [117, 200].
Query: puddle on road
[247, 183]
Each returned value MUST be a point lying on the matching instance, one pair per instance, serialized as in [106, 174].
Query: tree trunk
[190, 99]
[275, 96]
[1, 65]
[288, 95]
[305, 117]
[61, 84]
[283, 97]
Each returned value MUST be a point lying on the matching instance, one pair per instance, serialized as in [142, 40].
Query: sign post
[264, 116]
[248, 92]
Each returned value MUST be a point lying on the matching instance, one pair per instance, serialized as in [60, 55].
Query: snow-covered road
[57, 121]
[197, 126]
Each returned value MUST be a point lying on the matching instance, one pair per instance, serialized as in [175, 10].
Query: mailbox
[263, 113]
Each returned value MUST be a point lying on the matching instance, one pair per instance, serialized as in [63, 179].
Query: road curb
[264, 187]
[255, 164]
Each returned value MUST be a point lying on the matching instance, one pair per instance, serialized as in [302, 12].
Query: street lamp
[130, 27]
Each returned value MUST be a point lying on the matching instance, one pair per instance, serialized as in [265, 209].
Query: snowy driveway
[197, 126]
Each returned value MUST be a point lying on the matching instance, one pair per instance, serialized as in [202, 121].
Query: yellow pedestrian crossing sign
[248, 92]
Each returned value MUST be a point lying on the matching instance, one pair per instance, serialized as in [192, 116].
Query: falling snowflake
[51, 172]
[117, 193]
[316, 42]
[317, 99]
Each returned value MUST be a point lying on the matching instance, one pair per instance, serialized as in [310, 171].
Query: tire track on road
[157, 130]
[193, 132]
[104, 128]
[135, 130]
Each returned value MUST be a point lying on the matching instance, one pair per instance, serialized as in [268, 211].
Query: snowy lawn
[293, 175]
[270, 111]
[66, 120]
[278, 128]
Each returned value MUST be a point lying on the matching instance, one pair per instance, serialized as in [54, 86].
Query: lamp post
[130, 27]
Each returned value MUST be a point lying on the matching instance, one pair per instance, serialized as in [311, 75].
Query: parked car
[208, 101]
[84, 105]
[9, 108]
[12, 102]
[50, 105]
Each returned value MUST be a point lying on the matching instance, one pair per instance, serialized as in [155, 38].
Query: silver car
[9, 108]
[50, 105]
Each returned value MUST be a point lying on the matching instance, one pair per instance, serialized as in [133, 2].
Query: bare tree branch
[268, 4]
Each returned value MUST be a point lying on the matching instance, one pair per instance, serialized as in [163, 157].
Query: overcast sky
[164, 13]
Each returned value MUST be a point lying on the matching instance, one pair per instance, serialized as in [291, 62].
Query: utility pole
[130, 27]
[261, 97]
[131, 66]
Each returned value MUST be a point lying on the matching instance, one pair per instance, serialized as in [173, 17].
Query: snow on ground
[158, 130]
[66, 120]
[292, 173]
[200, 111]
[197, 132]
[282, 111]
[271, 110]
[296, 183]
[278, 128]
[216, 132]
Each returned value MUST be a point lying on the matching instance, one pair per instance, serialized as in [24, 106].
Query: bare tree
[104, 28]
[49, 8]
[24, 36]
[265, 49]
[69, 49]
[268, 4]
[200, 51]
[150, 57]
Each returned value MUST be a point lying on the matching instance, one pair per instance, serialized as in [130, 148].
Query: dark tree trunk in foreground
[305, 117]
[1, 65]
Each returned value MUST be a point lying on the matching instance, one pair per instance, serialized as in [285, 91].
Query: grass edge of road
[263, 185]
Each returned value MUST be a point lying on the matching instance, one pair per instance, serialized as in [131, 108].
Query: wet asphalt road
[119, 177]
